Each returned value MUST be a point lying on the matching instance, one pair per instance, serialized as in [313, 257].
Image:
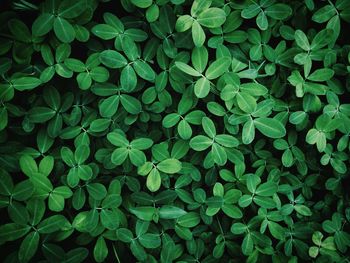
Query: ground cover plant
[174, 131]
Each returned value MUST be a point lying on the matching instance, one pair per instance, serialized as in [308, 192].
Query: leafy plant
[174, 131]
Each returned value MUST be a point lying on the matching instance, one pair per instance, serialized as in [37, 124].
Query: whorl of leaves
[174, 131]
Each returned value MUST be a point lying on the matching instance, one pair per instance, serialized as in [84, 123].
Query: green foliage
[174, 131]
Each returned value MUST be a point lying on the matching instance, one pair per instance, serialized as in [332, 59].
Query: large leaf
[169, 166]
[212, 17]
[26, 83]
[270, 127]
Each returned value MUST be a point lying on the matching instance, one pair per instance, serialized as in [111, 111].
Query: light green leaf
[202, 87]
[209, 127]
[112, 59]
[154, 180]
[246, 102]
[26, 83]
[218, 68]
[142, 3]
[212, 17]
[187, 69]
[170, 166]
[100, 250]
[144, 213]
[171, 212]
[270, 127]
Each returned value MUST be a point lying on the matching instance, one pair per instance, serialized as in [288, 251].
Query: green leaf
[6, 183]
[63, 191]
[218, 250]
[40, 114]
[143, 213]
[76, 255]
[321, 39]
[313, 252]
[154, 180]
[142, 3]
[276, 230]
[266, 189]
[321, 75]
[170, 166]
[119, 156]
[64, 30]
[315, 88]
[130, 48]
[209, 127]
[202, 87]
[128, 79]
[141, 143]
[97, 191]
[189, 220]
[246, 102]
[114, 21]
[187, 69]
[199, 58]
[184, 130]
[144, 70]
[247, 244]
[270, 127]
[219, 154]
[212, 17]
[124, 234]
[28, 247]
[99, 74]
[301, 40]
[303, 210]
[183, 23]
[99, 125]
[12, 231]
[198, 34]
[232, 211]
[262, 21]
[69, 9]
[171, 212]
[52, 224]
[149, 240]
[170, 120]
[248, 132]
[200, 143]
[43, 24]
[104, 31]
[28, 165]
[278, 11]
[23, 190]
[264, 202]
[324, 14]
[138, 250]
[297, 117]
[81, 154]
[218, 68]
[117, 139]
[19, 30]
[112, 59]
[56, 202]
[100, 250]
[42, 184]
[130, 104]
[287, 158]
[152, 13]
[26, 83]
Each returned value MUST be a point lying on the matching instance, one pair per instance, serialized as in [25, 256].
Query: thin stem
[222, 232]
[115, 253]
